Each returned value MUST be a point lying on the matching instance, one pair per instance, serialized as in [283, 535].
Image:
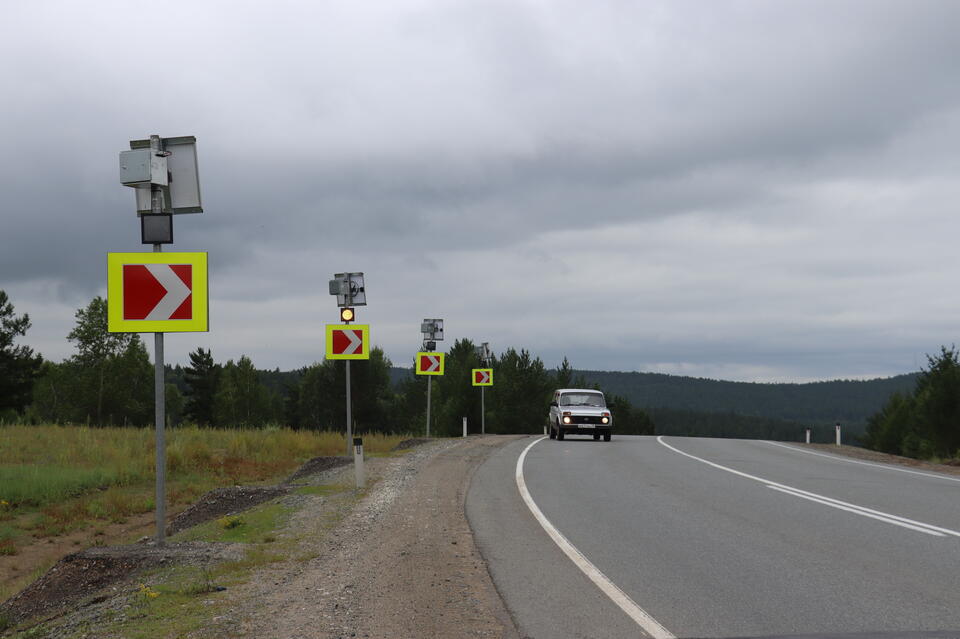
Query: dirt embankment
[399, 563]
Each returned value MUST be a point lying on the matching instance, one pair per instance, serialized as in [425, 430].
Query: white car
[579, 411]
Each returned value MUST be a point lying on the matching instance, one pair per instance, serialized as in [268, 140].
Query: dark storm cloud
[750, 138]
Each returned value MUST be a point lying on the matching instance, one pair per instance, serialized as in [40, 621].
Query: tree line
[109, 380]
[850, 402]
[923, 423]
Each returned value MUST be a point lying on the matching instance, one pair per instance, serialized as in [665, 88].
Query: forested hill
[848, 401]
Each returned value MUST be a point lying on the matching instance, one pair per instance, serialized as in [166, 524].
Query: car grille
[586, 419]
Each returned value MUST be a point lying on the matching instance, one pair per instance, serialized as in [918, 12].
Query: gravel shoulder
[402, 563]
[864, 454]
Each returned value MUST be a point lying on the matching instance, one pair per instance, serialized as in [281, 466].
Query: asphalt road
[718, 538]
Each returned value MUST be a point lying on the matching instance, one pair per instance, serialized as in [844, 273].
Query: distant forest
[109, 380]
[695, 406]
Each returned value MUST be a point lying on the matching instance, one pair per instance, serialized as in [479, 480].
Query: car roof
[578, 390]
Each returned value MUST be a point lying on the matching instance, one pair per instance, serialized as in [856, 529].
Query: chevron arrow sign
[483, 377]
[348, 341]
[429, 364]
[156, 292]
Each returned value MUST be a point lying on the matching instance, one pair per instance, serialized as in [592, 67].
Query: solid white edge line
[856, 511]
[805, 492]
[863, 463]
[618, 596]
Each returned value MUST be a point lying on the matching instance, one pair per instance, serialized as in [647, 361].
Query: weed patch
[252, 527]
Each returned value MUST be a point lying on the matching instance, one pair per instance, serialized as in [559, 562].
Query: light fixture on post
[156, 228]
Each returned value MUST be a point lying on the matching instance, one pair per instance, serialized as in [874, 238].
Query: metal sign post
[432, 330]
[484, 355]
[164, 174]
[349, 406]
[350, 291]
[159, 382]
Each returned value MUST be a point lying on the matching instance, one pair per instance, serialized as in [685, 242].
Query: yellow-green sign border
[417, 363]
[199, 292]
[364, 335]
[473, 376]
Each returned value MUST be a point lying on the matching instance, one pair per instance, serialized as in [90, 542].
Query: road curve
[717, 538]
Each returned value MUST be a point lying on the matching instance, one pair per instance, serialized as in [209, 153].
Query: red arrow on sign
[429, 363]
[157, 291]
[483, 377]
[347, 342]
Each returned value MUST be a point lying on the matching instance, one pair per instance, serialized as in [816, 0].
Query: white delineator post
[808, 435]
[358, 461]
[838, 433]
[464, 426]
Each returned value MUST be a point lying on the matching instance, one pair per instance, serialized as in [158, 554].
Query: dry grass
[58, 479]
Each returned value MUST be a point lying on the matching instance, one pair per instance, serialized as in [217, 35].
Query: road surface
[715, 538]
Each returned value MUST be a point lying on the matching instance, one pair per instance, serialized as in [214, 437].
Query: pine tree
[201, 378]
[19, 366]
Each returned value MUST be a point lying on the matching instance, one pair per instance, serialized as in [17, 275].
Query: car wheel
[596, 437]
[606, 437]
[559, 434]
[553, 433]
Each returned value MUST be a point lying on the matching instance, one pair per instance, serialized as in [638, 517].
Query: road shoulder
[403, 563]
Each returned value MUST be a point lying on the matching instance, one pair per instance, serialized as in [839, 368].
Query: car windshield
[582, 399]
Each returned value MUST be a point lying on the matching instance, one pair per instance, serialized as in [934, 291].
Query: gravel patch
[412, 443]
[78, 578]
[316, 466]
[224, 501]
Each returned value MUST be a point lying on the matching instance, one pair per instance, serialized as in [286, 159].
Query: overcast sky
[761, 191]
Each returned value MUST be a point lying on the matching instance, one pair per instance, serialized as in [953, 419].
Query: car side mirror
[553, 403]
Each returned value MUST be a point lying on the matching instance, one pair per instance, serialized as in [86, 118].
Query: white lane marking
[860, 510]
[863, 463]
[856, 511]
[610, 589]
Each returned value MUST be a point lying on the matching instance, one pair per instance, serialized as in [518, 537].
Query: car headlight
[604, 420]
[566, 417]
[566, 420]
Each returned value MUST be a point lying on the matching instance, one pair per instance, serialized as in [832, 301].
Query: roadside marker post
[808, 435]
[358, 462]
[838, 433]
[156, 293]
[464, 426]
